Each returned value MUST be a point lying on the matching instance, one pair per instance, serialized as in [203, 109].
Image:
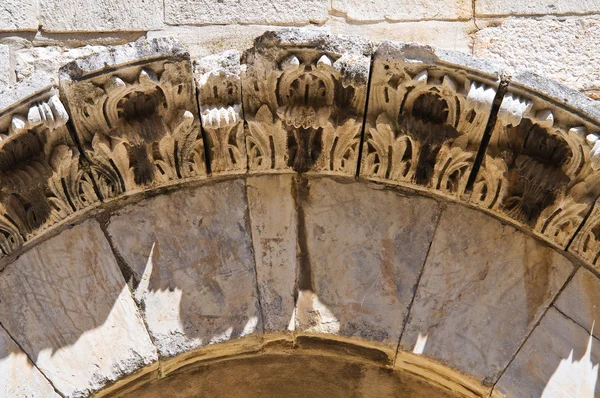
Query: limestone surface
[17, 15]
[379, 10]
[361, 251]
[482, 291]
[537, 7]
[67, 305]
[580, 300]
[191, 258]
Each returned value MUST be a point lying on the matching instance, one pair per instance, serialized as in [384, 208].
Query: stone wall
[558, 39]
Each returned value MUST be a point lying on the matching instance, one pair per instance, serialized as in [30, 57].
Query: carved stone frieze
[539, 168]
[135, 113]
[304, 100]
[220, 97]
[42, 179]
[426, 118]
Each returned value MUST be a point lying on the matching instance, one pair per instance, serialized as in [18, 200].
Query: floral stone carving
[135, 113]
[304, 99]
[220, 98]
[538, 169]
[426, 118]
[42, 179]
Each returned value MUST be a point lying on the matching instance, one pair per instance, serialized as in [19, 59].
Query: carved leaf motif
[340, 147]
[266, 142]
[452, 169]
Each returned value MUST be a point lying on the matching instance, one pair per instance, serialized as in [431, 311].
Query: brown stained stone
[483, 288]
[18, 376]
[191, 257]
[559, 359]
[362, 250]
[67, 305]
[274, 232]
[581, 300]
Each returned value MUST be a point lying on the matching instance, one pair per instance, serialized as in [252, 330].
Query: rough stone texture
[361, 252]
[559, 359]
[100, 15]
[194, 12]
[18, 377]
[482, 290]
[380, 10]
[191, 257]
[66, 303]
[563, 49]
[5, 67]
[274, 234]
[535, 7]
[580, 300]
[18, 15]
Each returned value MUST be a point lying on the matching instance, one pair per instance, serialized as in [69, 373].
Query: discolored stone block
[190, 255]
[304, 98]
[135, 114]
[65, 302]
[361, 251]
[482, 291]
[273, 217]
[580, 300]
[427, 113]
[559, 359]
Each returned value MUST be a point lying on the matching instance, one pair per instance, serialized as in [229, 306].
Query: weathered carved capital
[304, 98]
[136, 119]
[220, 98]
[426, 117]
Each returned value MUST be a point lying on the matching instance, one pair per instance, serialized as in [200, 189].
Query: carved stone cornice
[426, 117]
[135, 114]
[42, 178]
[539, 169]
[304, 99]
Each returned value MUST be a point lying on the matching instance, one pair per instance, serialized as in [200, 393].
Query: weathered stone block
[135, 112]
[540, 167]
[361, 250]
[42, 175]
[18, 15]
[65, 302]
[380, 10]
[220, 99]
[100, 15]
[485, 8]
[426, 117]
[294, 12]
[559, 359]
[18, 377]
[304, 98]
[190, 253]
[273, 217]
[564, 49]
[580, 300]
[482, 291]
[5, 67]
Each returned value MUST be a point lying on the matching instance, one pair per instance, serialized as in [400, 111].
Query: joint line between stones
[364, 121]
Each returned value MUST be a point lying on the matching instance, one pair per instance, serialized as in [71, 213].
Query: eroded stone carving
[220, 98]
[425, 119]
[138, 122]
[42, 180]
[539, 168]
[304, 99]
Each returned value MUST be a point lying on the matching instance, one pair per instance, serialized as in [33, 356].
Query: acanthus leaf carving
[304, 104]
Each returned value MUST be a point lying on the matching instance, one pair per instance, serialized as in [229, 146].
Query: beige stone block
[566, 50]
[580, 300]
[18, 377]
[274, 234]
[5, 68]
[361, 251]
[100, 15]
[484, 287]
[191, 257]
[67, 305]
[18, 15]
[559, 359]
[380, 10]
[292, 12]
[535, 7]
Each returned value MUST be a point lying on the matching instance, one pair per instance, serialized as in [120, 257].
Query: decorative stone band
[144, 116]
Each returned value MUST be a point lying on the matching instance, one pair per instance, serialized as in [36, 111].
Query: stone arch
[223, 223]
